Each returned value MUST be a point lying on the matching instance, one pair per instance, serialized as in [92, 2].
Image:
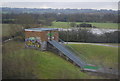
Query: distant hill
[58, 11]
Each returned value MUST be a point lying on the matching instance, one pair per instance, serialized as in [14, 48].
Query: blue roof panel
[41, 29]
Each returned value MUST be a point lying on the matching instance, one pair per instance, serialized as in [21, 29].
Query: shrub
[85, 25]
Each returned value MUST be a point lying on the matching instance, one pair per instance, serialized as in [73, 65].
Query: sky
[93, 4]
[59, 0]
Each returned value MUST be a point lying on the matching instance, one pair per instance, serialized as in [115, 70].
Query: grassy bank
[10, 29]
[100, 55]
[19, 62]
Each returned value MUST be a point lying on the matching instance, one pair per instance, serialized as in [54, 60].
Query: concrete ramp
[67, 53]
[84, 66]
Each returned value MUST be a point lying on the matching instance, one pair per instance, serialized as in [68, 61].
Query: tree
[85, 25]
[26, 20]
[73, 24]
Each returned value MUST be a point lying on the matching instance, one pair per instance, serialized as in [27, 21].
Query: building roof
[41, 29]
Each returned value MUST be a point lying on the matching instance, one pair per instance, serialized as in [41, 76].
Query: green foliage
[24, 19]
[63, 15]
[11, 21]
[28, 19]
[14, 30]
[85, 25]
[84, 35]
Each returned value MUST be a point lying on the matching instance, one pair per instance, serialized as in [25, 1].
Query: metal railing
[86, 60]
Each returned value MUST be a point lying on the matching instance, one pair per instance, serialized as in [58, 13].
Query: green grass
[98, 25]
[5, 29]
[100, 55]
[59, 25]
[9, 29]
[47, 65]
[30, 63]
[106, 25]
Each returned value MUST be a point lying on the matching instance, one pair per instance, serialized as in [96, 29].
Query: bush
[72, 24]
[84, 35]
[85, 25]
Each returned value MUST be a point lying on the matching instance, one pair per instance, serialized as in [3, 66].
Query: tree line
[83, 35]
[7, 10]
[48, 18]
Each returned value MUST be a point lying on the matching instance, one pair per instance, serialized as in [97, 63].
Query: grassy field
[98, 25]
[36, 64]
[6, 29]
[9, 29]
[59, 25]
[100, 55]
[106, 25]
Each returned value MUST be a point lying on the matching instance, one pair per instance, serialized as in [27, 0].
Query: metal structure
[40, 38]
[68, 53]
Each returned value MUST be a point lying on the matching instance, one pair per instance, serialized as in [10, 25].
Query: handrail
[85, 59]
[69, 54]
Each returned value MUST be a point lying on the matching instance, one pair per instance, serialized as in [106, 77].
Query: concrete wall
[40, 37]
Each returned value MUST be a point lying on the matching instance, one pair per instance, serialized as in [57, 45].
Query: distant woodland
[46, 16]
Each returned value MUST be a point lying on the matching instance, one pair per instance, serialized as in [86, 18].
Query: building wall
[40, 38]
[55, 35]
[36, 34]
[43, 35]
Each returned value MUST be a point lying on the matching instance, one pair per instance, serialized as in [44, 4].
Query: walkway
[93, 44]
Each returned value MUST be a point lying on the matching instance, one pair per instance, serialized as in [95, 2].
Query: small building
[38, 37]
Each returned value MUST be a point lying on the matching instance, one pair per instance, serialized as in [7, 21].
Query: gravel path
[92, 44]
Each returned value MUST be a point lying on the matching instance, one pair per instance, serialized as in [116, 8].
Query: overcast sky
[70, 4]
[59, 0]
